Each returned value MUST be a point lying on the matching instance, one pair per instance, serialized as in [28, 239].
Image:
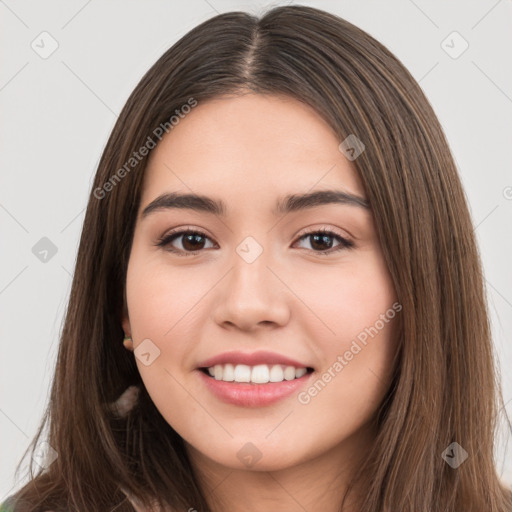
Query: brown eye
[191, 241]
[321, 241]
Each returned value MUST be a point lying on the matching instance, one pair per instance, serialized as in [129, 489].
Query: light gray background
[58, 112]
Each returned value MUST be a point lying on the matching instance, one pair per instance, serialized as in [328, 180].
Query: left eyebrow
[287, 204]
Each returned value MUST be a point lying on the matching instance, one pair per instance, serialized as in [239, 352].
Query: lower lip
[253, 395]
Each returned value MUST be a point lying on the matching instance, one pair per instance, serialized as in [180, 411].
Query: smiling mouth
[257, 374]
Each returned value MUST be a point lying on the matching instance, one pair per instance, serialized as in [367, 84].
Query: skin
[249, 151]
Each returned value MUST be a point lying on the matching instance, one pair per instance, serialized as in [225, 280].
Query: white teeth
[276, 373]
[289, 373]
[229, 373]
[259, 374]
[242, 373]
[299, 372]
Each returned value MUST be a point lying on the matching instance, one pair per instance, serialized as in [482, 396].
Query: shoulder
[14, 504]
[7, 506]
[11, 504]
[138, 507]
[131, 499]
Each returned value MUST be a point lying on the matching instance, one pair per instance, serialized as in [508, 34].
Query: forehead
[245, 147]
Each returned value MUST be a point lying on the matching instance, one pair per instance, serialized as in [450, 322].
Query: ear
[128, 343]
[125, 321]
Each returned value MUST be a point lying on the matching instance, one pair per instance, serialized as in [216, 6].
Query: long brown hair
[445, 388]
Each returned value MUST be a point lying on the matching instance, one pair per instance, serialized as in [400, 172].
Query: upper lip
[251, 359]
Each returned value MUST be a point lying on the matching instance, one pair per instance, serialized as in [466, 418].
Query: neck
[313, 484]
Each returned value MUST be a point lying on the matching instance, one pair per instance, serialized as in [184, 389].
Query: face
[293, 296]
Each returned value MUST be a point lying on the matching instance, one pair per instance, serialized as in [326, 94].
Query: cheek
[343, 301]
[355, 340]
[352, 382]
[161, 299]
[158, 302]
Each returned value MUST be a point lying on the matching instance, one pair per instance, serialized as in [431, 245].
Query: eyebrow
[287, 204]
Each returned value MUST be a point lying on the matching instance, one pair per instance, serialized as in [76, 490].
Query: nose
[252, 295]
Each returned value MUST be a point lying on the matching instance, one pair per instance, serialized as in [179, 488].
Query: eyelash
[165, 241]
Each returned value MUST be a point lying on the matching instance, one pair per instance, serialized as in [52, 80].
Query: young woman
[278, 301]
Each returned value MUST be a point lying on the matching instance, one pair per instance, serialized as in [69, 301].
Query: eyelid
[323, 229]
[185, 229]
[165, 239]
[346, 242]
